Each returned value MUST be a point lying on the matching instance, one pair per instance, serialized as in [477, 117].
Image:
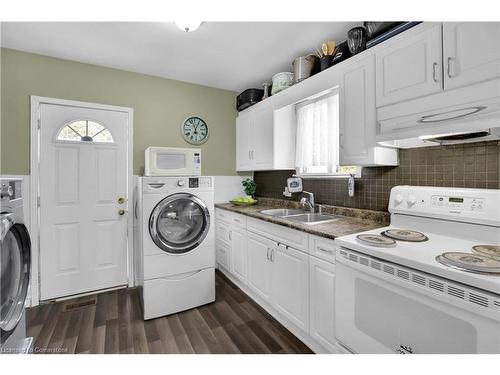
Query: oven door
[386, 308]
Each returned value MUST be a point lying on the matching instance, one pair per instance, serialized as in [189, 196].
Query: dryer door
[179, 223]
[15, 265]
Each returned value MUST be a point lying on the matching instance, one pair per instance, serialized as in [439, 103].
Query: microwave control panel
[197, 162]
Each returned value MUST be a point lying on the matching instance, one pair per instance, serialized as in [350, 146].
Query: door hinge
[38, 122]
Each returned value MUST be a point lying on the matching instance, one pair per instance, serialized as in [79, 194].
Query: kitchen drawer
[286, 236]
[223, 254]
[231, 218]
[222, 230]
[322, 248]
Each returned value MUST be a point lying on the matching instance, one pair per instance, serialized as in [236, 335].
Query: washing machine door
[15, 265]
[179, 223]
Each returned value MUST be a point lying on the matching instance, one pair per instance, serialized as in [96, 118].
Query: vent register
[454, 290]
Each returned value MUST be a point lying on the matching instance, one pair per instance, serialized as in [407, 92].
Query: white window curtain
[317, 144]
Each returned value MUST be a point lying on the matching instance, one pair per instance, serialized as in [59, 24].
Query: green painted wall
[160, 105]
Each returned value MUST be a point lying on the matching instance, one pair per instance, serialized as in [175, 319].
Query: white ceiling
[228, 55]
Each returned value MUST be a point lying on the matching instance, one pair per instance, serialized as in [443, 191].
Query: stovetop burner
[489, 250]
[376, 240]
[405, 235]
[476, 263]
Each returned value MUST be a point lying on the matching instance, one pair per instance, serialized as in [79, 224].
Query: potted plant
[249, 186]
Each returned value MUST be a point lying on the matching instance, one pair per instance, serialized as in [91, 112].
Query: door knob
[121, 200]
[121, 212]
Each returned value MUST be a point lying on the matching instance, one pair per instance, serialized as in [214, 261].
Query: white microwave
[171, 161]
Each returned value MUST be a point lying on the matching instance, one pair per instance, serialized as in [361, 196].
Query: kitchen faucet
[308, 201]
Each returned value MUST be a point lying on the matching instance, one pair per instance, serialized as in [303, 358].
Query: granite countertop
[351, 221]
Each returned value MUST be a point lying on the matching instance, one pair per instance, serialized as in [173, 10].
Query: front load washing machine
[176, 255]
[15, 266]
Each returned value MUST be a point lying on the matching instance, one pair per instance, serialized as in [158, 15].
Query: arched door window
[85, 131]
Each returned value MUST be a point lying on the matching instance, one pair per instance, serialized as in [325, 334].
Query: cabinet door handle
[451, 67]
[272, 255]
[267, 253]
[252, 154]
[341, 140]
[435, 72]
[230, 239]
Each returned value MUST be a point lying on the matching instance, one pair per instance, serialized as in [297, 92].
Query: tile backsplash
[473, 165]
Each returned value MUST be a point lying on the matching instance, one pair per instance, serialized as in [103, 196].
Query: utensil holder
[325, 62]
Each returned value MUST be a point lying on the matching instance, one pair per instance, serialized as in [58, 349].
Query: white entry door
[83, 189]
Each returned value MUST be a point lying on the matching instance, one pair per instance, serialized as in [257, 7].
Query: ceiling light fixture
[188, 26]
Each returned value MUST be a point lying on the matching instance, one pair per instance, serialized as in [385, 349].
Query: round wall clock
[194, 130]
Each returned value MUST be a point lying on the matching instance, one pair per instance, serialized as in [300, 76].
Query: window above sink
[317, 138]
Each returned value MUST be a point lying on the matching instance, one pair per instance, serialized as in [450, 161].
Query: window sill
[310, 176]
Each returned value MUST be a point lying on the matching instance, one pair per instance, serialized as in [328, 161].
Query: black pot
[374, 29]
[248, 98]
[325, 62]
[356, 40]
[341, 53]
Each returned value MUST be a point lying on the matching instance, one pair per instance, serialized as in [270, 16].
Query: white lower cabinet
[222, 253]
[259, 265]
[238, 238]
[298, 289]
[322, 302]
[290, 285]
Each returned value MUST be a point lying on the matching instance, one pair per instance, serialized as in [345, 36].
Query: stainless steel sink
[280, 212]
[311, 218]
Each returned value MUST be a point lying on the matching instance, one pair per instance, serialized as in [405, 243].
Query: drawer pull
[324, 250]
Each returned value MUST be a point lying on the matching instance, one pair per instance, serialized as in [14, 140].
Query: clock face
[194, 130]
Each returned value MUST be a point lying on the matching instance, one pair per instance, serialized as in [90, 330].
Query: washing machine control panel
[194, 182]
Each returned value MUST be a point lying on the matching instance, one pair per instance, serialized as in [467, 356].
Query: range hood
[463, 115]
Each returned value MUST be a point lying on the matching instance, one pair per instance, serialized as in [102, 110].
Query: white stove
[397, 297]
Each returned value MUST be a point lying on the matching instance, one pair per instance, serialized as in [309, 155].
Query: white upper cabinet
[410, 67]
[243, 142]
[471, 52]
[358, 117]
[262, 148]
[263, 142]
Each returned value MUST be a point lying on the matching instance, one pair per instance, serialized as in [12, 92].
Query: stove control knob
[411, 200]
[181, 182]
[399, 198]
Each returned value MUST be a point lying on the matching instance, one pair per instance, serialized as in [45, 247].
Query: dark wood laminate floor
[233, 324]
